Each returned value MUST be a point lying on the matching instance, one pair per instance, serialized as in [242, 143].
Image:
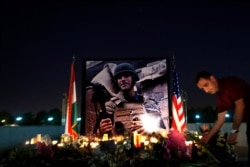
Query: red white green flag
[71, 115]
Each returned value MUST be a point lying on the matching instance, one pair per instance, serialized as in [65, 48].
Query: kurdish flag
[71, 115]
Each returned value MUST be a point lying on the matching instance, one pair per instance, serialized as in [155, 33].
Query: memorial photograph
[141, 105]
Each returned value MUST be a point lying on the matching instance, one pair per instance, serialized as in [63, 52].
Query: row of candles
[38, 138]
[137, 140]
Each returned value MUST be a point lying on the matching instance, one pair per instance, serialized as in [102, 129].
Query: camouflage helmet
[125, 68]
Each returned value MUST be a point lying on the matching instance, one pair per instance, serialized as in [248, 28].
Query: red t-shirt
[232, 89]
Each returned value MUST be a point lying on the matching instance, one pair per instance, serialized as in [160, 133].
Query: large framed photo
[107, 81]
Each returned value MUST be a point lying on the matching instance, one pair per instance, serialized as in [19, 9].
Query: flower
[175, 145]
[44, 150]
[217, 149]
[166, 152]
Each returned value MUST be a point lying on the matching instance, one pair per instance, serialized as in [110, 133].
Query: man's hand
[110, 107]
[218, 124]
[138, 127]
[205, 138]
[232, 138]
[106, 125]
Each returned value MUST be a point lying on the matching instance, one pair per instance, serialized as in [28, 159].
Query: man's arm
[238, 116]
[216, 127]
[238, 113]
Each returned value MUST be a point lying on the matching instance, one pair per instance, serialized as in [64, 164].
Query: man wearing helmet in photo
[125, 78]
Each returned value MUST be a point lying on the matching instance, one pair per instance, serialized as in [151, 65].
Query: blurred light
[79, 119]
[151, 127]
[19, 118]
[50, 119]
[197, 116]
[54, 142]
[12, 125]
[3, 120]
[227, 116]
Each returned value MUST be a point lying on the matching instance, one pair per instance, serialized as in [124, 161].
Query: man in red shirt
[232, 93]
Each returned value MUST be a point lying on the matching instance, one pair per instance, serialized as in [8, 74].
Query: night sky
[39, 39]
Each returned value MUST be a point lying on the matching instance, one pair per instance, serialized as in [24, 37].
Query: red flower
[44, 150]
[175, 145]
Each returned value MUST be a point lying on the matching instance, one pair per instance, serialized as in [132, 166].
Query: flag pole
[71, 115]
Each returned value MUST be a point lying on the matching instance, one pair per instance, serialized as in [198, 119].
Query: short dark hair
[202, 74]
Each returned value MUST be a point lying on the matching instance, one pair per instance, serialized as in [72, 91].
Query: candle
[33, 140]
[38, 137]
[105, 137]
[94, 145]
[137, 140]
[60, 144]
[118, 138]
[153, 140]
[54, 142]
[188, 143]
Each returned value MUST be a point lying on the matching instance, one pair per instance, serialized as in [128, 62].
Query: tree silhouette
[41, 117]
[6, 118]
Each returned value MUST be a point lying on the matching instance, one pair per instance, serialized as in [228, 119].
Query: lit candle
[153, 140]
[137, 140]
[188, 143]
[54, 142]
[60, 144]
[105, 137]
[189, 148]
[119, 138]
[33, 141]
[94, 145]
[38, 137]
[146, 142]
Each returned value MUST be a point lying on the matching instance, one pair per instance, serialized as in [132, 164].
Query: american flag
[178, 121]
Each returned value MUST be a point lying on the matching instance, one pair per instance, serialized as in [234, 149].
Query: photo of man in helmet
[125, 78]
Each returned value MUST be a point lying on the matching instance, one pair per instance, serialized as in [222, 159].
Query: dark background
[39, 39]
